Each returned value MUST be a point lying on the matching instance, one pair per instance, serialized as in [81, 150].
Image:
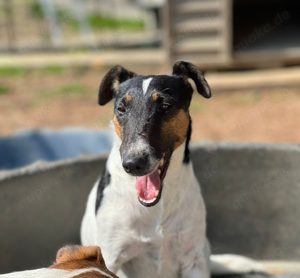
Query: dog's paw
[234, 264]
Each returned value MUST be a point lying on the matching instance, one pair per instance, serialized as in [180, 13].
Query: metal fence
[27, 25]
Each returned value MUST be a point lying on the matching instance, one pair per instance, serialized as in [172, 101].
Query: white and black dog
[147, 212]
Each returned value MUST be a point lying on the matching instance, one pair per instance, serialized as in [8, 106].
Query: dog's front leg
[200, 270]
[195, 263]
[198, 267]
[195, 272]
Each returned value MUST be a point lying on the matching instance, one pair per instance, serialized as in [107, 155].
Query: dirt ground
[57, 97]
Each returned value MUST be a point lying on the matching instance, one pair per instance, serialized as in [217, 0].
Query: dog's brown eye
[164, 106]
[121, 109]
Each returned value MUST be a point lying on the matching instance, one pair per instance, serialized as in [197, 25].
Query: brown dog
[71, 262]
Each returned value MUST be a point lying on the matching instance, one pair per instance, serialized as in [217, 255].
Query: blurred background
[53, 54]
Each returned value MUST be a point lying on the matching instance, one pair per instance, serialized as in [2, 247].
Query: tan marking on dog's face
[118, 127]
[128, 98]
[175, 129]
[155, 96]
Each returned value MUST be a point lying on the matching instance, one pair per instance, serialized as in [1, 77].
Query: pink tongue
[148, 187]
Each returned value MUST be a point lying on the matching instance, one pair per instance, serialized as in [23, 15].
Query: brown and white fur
[71, 262]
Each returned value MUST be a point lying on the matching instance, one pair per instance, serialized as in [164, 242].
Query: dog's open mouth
[149, 187]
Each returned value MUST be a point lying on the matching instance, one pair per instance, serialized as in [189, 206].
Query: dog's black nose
[135, 165]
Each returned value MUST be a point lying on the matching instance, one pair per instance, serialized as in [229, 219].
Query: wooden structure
[53, 25]
[233, 33]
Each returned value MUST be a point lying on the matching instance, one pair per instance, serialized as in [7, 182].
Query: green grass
[69, 90]
[97, 21]
[53, 70]
[21, 71]
[100, 22]
[36, 10]
[4, 90]
[12, 71]
[63, 15]
[68, 19]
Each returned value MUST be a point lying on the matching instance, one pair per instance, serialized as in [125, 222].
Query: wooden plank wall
[199, 31]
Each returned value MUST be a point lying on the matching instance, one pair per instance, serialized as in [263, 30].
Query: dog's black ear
[188, 70]
[111, 82]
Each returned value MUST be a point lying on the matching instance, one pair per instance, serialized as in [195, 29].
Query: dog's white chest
[158, 241]
[162, 254]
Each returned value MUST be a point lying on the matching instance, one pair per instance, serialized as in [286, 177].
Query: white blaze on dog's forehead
[146, 83]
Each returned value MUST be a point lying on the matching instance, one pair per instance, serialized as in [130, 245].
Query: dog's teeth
[149, 201]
